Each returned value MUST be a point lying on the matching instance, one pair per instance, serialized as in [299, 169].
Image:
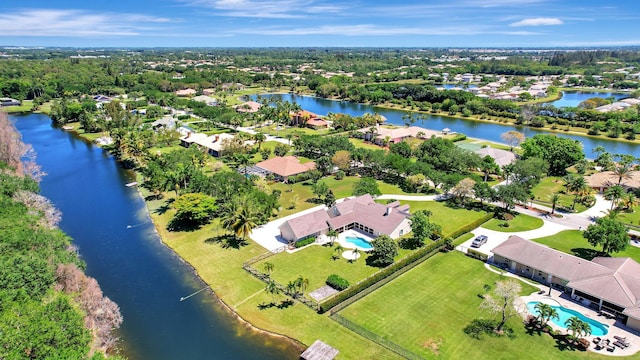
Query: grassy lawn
[24, 107]
[287, 267]
[220, 266]
[630, 217]
[462, 238]
[451, 219]
[572, 242]
[359, 143]
[554, 185]
[282, 131]
[521, 222]
[426, 309]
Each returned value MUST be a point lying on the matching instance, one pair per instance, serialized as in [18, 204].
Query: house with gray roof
[611, 285]
[501, 157]
[361, 213]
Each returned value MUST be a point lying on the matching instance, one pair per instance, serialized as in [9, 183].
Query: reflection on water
[116, 238]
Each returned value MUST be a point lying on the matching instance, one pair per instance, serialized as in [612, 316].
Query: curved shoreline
[294, 343]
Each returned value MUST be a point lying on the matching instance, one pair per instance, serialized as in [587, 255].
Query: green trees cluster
[560, 153]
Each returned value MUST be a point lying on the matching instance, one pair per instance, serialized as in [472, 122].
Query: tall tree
[512, 138]
[608, 232]
[384, 251]
[422, 228]
[559, 152]
[614, 194]
[546, 312]
[503, 301]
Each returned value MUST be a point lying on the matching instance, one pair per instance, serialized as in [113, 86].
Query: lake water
[574, 98]
[476, 129]
[109, 224]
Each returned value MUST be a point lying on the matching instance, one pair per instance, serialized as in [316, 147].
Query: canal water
[476, 129]
[109, 224]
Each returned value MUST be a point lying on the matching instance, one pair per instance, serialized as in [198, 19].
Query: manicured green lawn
[521, 222]
[462, 238]
[434, 302]
[221, 267]
[554, 185]
[451, 219]
[359, 143]
[572, 242]
[630, 217]
[315, 263]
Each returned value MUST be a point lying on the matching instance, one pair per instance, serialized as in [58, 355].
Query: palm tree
[630, 200]
[577, 327]
[355, 252]
[546, 312]
[292, 288]
[241, 221]
[259, 138]
[332, 235]
[614, 193]
[273, 289]
[338, 250]
[622, 172]
[577, 185]
[268, 267]
[554, 202]
[302, 283]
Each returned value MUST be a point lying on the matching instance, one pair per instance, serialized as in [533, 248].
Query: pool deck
[616, 327]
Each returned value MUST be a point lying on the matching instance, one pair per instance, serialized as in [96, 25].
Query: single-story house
[167, 122]
[185, 92]
[248, 107]
[208, 92]
[501, 157]
[361, 213]
[380, 134]
[606, 284]
[206, 99]
[603, 180]
[212, 144]
[284, 167]
[102, 98]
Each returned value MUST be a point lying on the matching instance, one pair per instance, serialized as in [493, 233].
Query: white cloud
[537, 22]
[270, 9]
[77, 23]
[375, 30]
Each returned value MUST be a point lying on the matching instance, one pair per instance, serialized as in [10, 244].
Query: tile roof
[615, 280]
[608, 178]
[309, 224]
[501, 157]
[286, 166]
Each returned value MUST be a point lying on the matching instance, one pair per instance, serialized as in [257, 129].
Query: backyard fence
[388, 344]
[315, 306]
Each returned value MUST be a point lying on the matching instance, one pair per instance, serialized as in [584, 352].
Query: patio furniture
[620, 344]
[596, 340]
[611, 348]
[620, 338]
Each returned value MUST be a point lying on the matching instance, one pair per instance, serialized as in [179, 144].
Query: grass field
[316, 264]
[554, 185]
[426, 309]
[521, 222]
[572, 242]
[220, 266]
[450, 218]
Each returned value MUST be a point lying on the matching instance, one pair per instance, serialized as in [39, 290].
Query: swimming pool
[359, 242]
[597, 328]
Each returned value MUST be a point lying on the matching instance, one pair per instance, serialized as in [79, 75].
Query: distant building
[284, 167]
[205, 99]
[380, 134]
[248, 107]
[361, 213]
[185, 92]
[212, 144]
[501, 157]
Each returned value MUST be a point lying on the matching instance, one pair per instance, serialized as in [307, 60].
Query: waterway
[475, 129]
[574, 98]
[109, 224]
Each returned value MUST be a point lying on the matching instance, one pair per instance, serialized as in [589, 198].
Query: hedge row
[337, 282]
[305, 242]
[380, 275]
[477, 255]
[465, 229]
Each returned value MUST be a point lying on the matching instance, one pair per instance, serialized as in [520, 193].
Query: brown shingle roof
[608, 178]
[286, 166]
[501, 157]
[363, 210]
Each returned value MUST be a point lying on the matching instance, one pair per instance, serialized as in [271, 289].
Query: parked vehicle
[479, 241]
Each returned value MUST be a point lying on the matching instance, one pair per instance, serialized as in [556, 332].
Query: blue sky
[375, 23]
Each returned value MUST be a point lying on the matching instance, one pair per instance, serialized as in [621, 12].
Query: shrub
[477, 255]
[459, 137]
[305, 241]
[337, 282]
[424, 252]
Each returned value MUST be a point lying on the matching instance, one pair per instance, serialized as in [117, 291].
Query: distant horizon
[487, 48]
[320, 23]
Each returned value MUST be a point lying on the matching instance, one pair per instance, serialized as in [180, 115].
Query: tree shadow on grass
[587, 254]
[164, 208]
[175, 225]
[227, 241]
[282, 305]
